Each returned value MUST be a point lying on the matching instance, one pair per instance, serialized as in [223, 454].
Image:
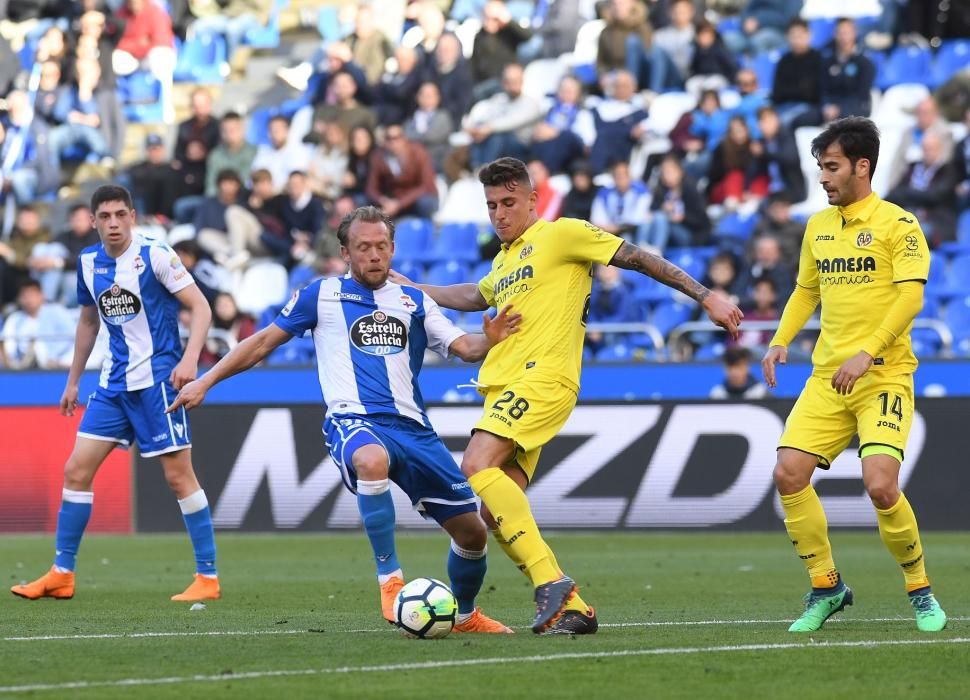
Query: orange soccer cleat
[202, 588]
[482, 623]
[389, 591]
[53, 584]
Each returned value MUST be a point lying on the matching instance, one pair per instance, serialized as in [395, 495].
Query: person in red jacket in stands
[401, 179]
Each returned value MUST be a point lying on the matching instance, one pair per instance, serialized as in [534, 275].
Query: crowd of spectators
[397, 118]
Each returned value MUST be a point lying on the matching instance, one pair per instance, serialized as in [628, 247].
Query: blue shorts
[128, 416]
[419, 462]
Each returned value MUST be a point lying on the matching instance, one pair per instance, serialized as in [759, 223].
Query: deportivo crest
[526, 252]
[408, 303]
[139, 264]
[863, 239]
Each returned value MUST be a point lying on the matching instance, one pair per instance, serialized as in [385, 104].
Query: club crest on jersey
[379, 333]
[863, 239]
[139, 264]
[526, 252]
[408, 303]
[118, 305]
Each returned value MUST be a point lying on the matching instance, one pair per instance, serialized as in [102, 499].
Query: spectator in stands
[328, 163]
[622, 209]
[369, 47]
[397, 88]
[303, 218]
[560, 27]
[495, 48]
[578, 202]
[910, 149]
[752, 100]
[430, 125]
[201, 126]
[677, 211]
[430, 26]
[345, 109]
[778, 156]
[762, 306]
[767, 261]
[281, 156]
[148, 43]
[211, 230]
[52, 46]
[38, 334]
[847, 76]
[28, 232]
[677, 38]
[78, 114]
[739, 382]
[733, 175]
[48, 91]
[501, 125]
[401, 180]
[206, 273]
[624, 19]
[548, 198]
[451, 73]
[336, 57]
[554, 139]
[154, 183]
[776, 221]
[796, 91]
[79, 235]
[929, 188]
[713, 65]
[961, 165]
[611, 301]
[266, 209]
[698, 133]
[615, 124]
[94, 35]
[190, 174]
[722, 277]
[358, 170]
[28, 164]
[230, 326]
[763, 24]
[230, 19]
[233, 152]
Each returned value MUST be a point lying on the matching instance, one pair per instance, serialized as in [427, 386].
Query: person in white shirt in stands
[280, 156]
[624, 208]
[37, 334]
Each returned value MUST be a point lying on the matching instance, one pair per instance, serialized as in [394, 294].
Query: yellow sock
[508, 551]
[808, 531]
[510, 508]
[899, 532]
[575, 602]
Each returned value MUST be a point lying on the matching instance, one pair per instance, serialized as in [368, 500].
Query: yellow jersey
[855, 255]
[546, 274]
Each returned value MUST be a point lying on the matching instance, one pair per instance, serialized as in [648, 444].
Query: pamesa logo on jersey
[118, 305]
[378, 333]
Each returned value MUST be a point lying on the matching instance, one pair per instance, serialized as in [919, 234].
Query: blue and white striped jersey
[134, 294]
[370, 343]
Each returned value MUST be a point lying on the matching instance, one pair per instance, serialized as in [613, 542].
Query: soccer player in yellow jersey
[530, 382]
[866, 261]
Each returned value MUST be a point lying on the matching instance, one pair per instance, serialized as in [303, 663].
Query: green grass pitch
[300, 618]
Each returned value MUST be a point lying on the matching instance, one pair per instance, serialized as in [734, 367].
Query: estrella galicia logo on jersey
[834, 265]
[863, 239]
[118, 305]
[526, 251]
[379, 333]
[912, 242]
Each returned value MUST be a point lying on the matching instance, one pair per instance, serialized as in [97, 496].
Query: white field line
[456, 663]
[259, 633]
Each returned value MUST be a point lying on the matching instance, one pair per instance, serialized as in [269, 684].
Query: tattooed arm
[721, 311]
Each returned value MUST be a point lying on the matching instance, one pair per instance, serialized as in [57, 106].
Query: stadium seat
[687, 260]
[668, 315]
[646, 290]
[897, 104]
[936, 285]
[764, 65]
[481, 270]
[616, 352]
[456, 241]
[472, 320]
[141, 94]
[823, 29]
[926, 342]
[665, 111]
[542, 76]
[443, 274]
[412, 239]
[452, 315]
[583, 60]
[905, 64]
[297, 351]
[267, 37]
[465, 203]
[202, 59]
[709, 351]
[957, 318]
[736, 226]
[411, 269]
[466, 32]
[931, 308]
[301, 276]
[262, 284]
[958, 276]
[952, 57]
[962, 243]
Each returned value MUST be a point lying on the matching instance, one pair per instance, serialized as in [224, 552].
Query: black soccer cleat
[575, 622]
[550, 599]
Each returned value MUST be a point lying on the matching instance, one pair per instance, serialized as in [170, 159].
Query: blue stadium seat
[952, 57]
[906, 64]
[936, 285]
[764, 65]
[456, 242]
[267, 37]
[301, 276]
[473, 319]
[202, 59]
[298, 351]
[735, 226]
[709, 351]
[411, 269]
[452, 315]
[668, 315]
[616, 352]
[958, 276]
[648, 291]
[926, 342]
[931, 308]
[141, 95]
[444, 273]
[687, 260]
[878, 59]
[823, 29]
[731, 23]
[480, 270]
[957, 318]
[412, 239]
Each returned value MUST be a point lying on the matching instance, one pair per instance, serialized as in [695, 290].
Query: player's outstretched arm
[84, 339]
[473, 347]
[248, 353]
[800, 307]
[200, 317]
[461, 297]
[721, 311]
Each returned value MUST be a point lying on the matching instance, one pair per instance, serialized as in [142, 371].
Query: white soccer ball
[426, 609]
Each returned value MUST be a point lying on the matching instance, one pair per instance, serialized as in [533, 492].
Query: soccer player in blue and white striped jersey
[135, 285]
[370, 336]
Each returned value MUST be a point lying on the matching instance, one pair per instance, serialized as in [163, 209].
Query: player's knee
[473, 537]
[487, 517]
[884, 493]
[370, 463]
[77, 477]
[789, 480]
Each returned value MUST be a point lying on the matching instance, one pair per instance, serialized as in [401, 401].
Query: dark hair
[76, 207]
[858, 136]
[764, 279]
[228, 174]
[300, 173]
[261, 175]
[735, 355]
[368, 214]
[798, 22]
[232, 116]
[843, 20]
[111, 193]
[27, 207]
[189, 247]
[29, 283]
[279, 118]
[505, 171]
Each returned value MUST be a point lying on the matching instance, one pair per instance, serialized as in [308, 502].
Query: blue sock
[466, 569]
[198, 521]
[377, 511]
[72, 518]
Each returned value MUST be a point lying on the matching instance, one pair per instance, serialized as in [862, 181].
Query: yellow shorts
[823, 422]
[529, 411]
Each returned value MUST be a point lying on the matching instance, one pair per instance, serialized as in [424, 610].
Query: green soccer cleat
[819, 608]
[929, 615]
